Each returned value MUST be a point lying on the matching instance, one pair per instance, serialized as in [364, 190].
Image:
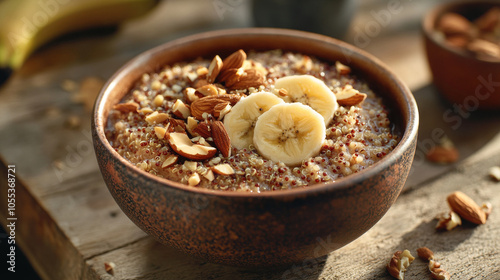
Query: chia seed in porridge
[175, 123]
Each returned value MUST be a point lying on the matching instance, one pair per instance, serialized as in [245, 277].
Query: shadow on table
[165, 262]
[467, 128]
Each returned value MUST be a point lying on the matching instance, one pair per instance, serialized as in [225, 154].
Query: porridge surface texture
[138, 128]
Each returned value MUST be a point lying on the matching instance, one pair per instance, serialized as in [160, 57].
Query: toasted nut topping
[202, 71]
[183, 146]
[350, 96]
[207, 90]
[194, 179]
[214, 69]
[156, 117]
[158, 101]
[223, 169]
[220, 113]
[235, 60]
[203, 129]
[181, 110]
[342, 69]
[466, 208]
[249, 78]
[208, 103]
[204, 105]
[177, 125]
[169, 161]
[126, 107]
[160, 132]
[190, 165]
[209, 175]
[221, 138]
[191, 125]
[190, 94]
[145, 111]
[231, 75]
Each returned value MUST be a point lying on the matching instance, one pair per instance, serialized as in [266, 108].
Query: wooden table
[68, 224]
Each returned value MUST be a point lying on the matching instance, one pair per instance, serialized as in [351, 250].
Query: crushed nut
[109, 267]
[158, 101]
[399, 263]
[181, 110]
[437, 272]
[126, 107]
[194, 179]
[170, 160]
[486, 207]
[448, 221]
[495, 173]
[160, 132]
[156, 117]
[342, 69]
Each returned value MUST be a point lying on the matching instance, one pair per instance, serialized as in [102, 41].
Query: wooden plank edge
[49, 250]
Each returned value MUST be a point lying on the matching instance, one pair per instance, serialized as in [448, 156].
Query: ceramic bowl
[463, 79]
[258, 229]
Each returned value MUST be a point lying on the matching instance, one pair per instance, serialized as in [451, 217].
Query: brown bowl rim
[430, 18]
[409, 134]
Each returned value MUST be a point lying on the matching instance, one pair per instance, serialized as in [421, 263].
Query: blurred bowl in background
[467, 78]
[327, 17]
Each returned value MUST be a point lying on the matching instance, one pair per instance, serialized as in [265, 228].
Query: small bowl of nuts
[462, 42]
[255, 147]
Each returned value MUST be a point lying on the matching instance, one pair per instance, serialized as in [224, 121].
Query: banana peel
[26, 25]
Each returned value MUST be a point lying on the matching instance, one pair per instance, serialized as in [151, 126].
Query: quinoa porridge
[255, 121]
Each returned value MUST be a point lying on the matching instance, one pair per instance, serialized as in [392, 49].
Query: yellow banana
[27, 24]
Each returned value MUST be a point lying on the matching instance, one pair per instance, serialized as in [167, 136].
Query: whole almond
[454, 24]
[203, 129]
[221, 138]
[231, 98]
[250, 78]
[126, 107]
[205, 105]
[235, 60]
[443, 154]
[466, 208]
[232, 75]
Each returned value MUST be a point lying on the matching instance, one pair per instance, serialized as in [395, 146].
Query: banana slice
[289, 132]
[240, 121]
[310, 91]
